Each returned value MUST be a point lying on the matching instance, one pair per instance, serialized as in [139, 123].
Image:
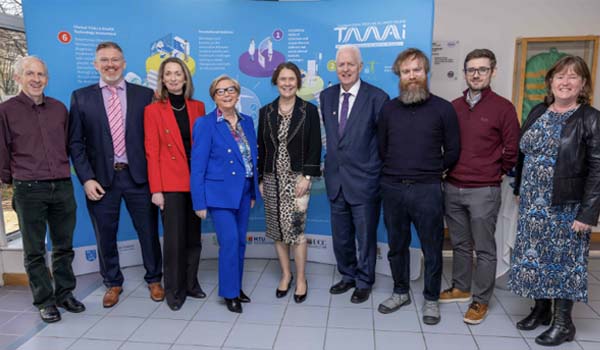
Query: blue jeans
[420, 204]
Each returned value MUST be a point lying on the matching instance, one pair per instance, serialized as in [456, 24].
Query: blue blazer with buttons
[218, 173]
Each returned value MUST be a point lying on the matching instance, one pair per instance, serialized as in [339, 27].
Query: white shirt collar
[353, 90]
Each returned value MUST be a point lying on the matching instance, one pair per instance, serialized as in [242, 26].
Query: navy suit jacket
[90, 140]
[218, 172]
[352, 162]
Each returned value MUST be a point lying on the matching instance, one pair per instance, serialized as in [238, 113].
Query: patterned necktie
[115, 122]
[344, 114]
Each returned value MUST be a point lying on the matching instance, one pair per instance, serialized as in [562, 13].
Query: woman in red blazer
[168, 124]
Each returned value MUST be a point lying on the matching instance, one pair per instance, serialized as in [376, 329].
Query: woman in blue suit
[224, 182]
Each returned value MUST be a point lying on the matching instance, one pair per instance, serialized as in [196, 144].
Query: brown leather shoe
[157, 293]
[111, 297]
[452, 295]
[476, 313]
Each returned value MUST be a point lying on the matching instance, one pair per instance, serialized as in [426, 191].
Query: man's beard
[411, 93]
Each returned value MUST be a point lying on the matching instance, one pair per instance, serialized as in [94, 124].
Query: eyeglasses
[114, 60]
[481, 70]
[230, 90]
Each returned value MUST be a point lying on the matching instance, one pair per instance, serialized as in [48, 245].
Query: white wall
[496, 24]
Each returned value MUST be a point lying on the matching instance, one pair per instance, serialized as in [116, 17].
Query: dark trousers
[51, 203]
[352, 223]
[105, 214]
[231, 226]
[421, 205]
[181, 247]
[471, 215]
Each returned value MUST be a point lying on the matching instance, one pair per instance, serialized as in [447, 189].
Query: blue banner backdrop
[242, 38]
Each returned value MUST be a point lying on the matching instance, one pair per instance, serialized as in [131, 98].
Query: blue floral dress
[549, 260]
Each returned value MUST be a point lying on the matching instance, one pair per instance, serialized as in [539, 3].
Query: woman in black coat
[558, 180]
[289, 154]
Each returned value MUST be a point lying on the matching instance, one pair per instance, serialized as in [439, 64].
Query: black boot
[541, 313]
[562, 328]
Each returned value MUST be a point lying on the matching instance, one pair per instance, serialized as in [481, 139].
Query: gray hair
[354, 49]
[20, 62]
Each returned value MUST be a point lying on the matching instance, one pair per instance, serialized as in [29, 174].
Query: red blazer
[168, 169]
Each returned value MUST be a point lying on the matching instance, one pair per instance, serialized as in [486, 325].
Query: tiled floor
[322, 322]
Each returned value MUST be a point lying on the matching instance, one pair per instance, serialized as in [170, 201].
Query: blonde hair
[162, 93]
[212, 90]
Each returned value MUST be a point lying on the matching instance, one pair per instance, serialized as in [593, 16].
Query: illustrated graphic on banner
[257, 36]
[163, 48]
[249, 104]
[312, 83]
[261, 60]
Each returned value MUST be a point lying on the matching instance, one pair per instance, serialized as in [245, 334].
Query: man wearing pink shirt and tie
[106, 143]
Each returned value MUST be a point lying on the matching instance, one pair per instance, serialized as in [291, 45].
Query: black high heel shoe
[299, 298]
[281, 293]
[243, 297]
[234, 305]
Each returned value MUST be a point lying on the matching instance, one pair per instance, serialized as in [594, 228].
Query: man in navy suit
[106, 142]
[352, 166]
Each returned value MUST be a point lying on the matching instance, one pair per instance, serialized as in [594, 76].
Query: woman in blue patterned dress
[558, 179]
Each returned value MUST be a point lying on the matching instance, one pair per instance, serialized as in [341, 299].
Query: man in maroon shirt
[33, 157]
[489, 136]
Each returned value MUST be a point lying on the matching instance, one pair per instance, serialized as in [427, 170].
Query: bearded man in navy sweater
[418, 142]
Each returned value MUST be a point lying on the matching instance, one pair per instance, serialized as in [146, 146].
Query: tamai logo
[90, 255]
[384, 34]
[316, 243]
